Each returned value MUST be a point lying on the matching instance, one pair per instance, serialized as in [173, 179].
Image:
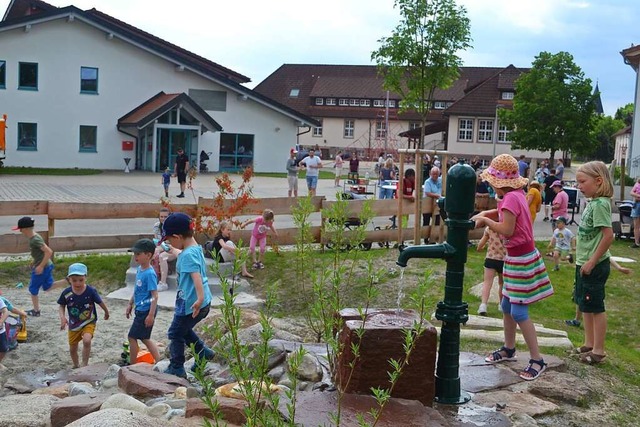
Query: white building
[83, 89]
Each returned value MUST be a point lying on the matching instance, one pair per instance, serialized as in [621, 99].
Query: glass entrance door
[169, 140]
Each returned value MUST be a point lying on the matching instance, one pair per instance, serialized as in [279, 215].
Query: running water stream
[400, 290]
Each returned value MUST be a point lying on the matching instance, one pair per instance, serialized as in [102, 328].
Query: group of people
[312, 163]
[520, 267]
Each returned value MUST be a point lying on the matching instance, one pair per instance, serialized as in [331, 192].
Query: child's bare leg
[556, 258]
[86, 348]
[36, 302]
[73, 351]
[578, 313]
[589, 339]
[487, 284]
[245, 272]
[509, 330]
[531, 338]
[599, 332]
[153, 349]
[133, 350]
[2, 356]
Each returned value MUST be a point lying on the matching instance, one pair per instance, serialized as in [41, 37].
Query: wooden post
[399, 193]
[51, 226]
[417, 227]
[622, 176]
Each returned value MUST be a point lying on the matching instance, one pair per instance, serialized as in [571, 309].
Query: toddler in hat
[41, 267]
[525, 276]
[80, 301]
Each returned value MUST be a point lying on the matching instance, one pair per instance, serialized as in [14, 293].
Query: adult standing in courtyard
[313, 165]
[560, 169]
[549, 194]
[523, 167]
[432, 192]
[338, 168]
[354, 165]
[292, 173]
[181, 167]
[560, 203]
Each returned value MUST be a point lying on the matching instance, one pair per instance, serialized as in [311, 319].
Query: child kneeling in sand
[144, 300]
[80, 300]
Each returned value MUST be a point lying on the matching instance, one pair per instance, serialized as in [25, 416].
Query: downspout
[302, 133]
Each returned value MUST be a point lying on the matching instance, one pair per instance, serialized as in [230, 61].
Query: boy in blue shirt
[166, 180]
[193, 298]
[80, 300]
[144, 301]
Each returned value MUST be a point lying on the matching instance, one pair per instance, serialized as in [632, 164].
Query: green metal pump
[459, 205]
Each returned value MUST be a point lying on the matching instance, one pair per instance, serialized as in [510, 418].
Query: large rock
[248, 318]
[29, 410]
[114, 417]
[232, 410]
[309, 369]
[141, 380]
[60, 390]
[253, 335]
[73, 408]
[515, 403]
[562, 387]
[89, 374]
[124, 401]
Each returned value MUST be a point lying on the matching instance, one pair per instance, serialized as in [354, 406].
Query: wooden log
[68, 210]
[82, 243]
[24, 208]
[16, 243]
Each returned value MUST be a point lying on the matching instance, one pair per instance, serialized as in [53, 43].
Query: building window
[3, 74]
[88, 139]
[365, 103]
[349, 125]
[503, 134]
[319, 101]
[331, 101]
[465, 130]
[89, 80]
[343, 102]
[294, 93]
[439, 105]
[28, 76]
[381, 130]
[392, 103]
[353, 102]
[378, 103]
[414, 125]
[317, 131]
[507, 95]
[485, 130]
[28, 136]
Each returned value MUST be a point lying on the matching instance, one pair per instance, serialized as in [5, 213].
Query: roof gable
[22, 8]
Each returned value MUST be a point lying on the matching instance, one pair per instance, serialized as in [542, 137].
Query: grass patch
[13, 170]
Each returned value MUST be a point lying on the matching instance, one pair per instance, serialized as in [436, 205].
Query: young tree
[422, 52]
[553, 107]
[625, 114]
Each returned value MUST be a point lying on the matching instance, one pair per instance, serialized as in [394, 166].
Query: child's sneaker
[162, 286]
[556, 268]
[260, 265]
[573, 322]
[256, 265]
[178, 372]
[34, 313]
[570, 258]
[482, 310]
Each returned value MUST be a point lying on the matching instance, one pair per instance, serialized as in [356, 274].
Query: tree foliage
[422, 52]
[625, 114]
[553, 107]
[602, 136]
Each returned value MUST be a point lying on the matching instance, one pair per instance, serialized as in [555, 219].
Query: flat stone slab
[515, 403]
[313, 409]
[562, 387]
[498, 336]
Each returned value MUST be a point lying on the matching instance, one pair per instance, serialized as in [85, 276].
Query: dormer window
[343, 102]
[319, 101]
[507, 95]
[331, 101]
[439, 105]
[294, 93]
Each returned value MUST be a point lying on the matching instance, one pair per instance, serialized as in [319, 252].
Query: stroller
[623, 229]
[204, 156]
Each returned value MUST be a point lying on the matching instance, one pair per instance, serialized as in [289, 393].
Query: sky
[255, 37]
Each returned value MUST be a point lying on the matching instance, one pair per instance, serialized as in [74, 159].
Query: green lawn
[12, 170]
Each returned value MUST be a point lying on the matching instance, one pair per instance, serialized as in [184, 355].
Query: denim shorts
[312, 181]
[44, 280]
[635, 211]
[4, 343]
[589, 291]
[138, 329]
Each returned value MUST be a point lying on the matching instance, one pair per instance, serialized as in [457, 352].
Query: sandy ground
[47, 346]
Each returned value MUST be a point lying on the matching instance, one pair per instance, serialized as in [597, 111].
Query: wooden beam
[81, 243]
[29, 207]
[17, 243]
[279, 205]
[68, 210]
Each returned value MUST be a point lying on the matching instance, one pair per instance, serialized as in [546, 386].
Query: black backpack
[208, 249]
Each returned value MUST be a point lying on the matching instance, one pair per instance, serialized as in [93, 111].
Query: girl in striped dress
[525, 275]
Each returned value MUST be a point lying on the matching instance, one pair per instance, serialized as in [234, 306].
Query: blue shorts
[138, 329]
[4, 344]
[635, 211]
[312, 182]
[44, 280]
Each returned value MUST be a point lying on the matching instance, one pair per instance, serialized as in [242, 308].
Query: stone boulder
[89, 374]
[232, 410]
[515, 403]
[310, 369]
[115, 417]
[562, 387]
[124, 401]
[142, 381]
[31, 410]
[73, 408]
[60, 390]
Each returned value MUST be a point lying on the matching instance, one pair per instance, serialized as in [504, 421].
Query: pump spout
[442, 250]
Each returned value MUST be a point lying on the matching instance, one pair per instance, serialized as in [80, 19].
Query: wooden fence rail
[57, 211]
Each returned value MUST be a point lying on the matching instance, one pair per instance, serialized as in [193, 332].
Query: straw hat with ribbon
[503, 172]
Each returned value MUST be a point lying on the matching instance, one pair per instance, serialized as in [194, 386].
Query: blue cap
[77, 269]
[176, 223]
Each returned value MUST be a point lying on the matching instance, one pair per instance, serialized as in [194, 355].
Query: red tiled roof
[21, 8]
[353, 81]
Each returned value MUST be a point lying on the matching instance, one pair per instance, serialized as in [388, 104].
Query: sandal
[580, 350]
[591, 358]
[34, 313]
[530, 373]
[503, 354]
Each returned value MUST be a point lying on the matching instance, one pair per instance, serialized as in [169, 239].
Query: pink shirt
[521, 241]
[636, 189]
[260, 228]
[562, 198]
